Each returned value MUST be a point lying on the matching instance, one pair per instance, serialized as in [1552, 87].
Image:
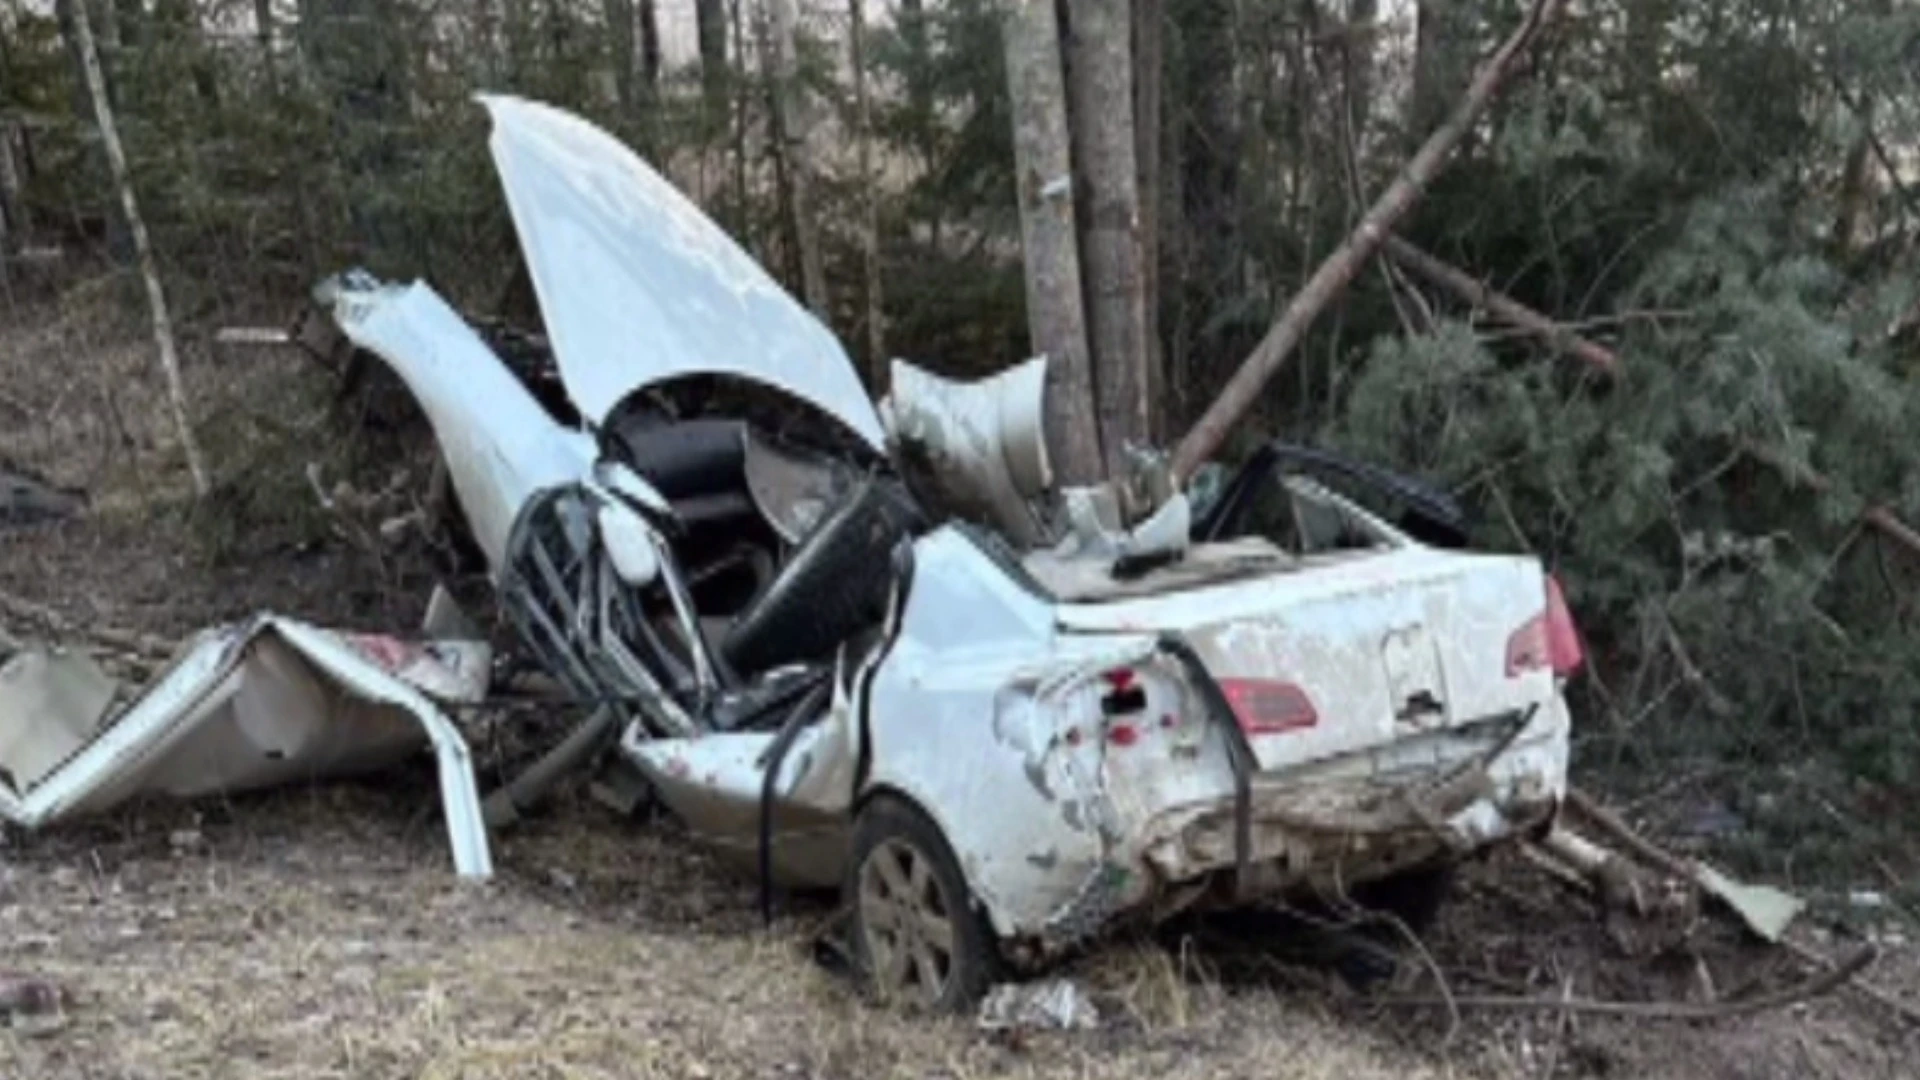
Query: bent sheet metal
[264, 702]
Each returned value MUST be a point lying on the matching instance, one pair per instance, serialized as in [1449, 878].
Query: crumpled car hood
[637, 286]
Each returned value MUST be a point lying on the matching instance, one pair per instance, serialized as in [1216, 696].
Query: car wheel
[918, 938]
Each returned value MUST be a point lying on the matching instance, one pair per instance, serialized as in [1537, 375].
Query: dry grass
[314, 934]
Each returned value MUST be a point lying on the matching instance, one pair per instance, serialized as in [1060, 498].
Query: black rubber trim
[1436, 514]
[776, 755]
[1239, 752]
[901, 560]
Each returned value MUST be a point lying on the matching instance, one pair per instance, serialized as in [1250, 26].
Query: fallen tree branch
[1876, 515]
[1816, 986]
[1646, 850]
[1622, 833]
[1503, 307]
[1334, 274]
[1903, 1010]
[1601, 358]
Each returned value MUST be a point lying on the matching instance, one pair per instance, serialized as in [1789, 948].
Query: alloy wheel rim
[907, 921]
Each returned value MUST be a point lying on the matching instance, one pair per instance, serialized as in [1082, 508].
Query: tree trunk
[263, 34]
[1854, 189]
[710, 23]
[1149, 60]
[1099, 78]
[13, 220]
[792, 123]
[1209, 151]
[1443, 42]
[149, 269]
[736, 113]
[119, 243]
[620, 52]
[922, 133]
[650, 47]
[919, 76]
[1333, 275]
[9, 202]
[1044, 182]
[869, 198]
[485, 48]
[1356, 58]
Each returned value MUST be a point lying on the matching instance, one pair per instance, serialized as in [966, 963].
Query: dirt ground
[319, 932]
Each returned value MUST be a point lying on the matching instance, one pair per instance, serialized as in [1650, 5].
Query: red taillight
[1548, 640]
[1264, 707]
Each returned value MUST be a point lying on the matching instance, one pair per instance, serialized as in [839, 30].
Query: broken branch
[1334, 274]
[1877, 516]
[1481, 295]
[1823, 983]
[1606, 360]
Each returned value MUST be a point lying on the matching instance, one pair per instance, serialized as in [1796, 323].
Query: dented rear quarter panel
[986, 712]
[949, 732]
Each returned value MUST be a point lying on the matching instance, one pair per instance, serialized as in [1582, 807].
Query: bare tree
[619, 17]
[1356, 58]
[870, 195]
[650, 46]
[143, 248]
[710, 22]
[1149, 83]
[1442, 51]
[1208, 175]
[791, 121]
[13, 224]
[1043, 166]
[1106, 172]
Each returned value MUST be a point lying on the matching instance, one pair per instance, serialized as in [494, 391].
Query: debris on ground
[1045, 1005]
[263, 702]
[25, 995]
[27, 499]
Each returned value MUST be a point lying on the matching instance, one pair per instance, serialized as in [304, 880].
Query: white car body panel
[260, 703]
[637, 286]
[499, 444]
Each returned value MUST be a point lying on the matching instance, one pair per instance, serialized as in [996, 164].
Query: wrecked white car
[872, 648]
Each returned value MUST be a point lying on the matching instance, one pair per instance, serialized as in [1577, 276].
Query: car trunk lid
[1359, 653]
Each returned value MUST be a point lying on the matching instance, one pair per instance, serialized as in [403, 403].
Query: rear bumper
[1333, 825]
[1354, 821]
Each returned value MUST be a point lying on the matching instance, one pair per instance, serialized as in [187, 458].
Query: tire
[899, 957]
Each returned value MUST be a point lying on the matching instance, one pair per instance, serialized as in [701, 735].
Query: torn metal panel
[716, 784]
[267, 702]
[978, 447]
[500, 446]
[69, 695]
[638, 287]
